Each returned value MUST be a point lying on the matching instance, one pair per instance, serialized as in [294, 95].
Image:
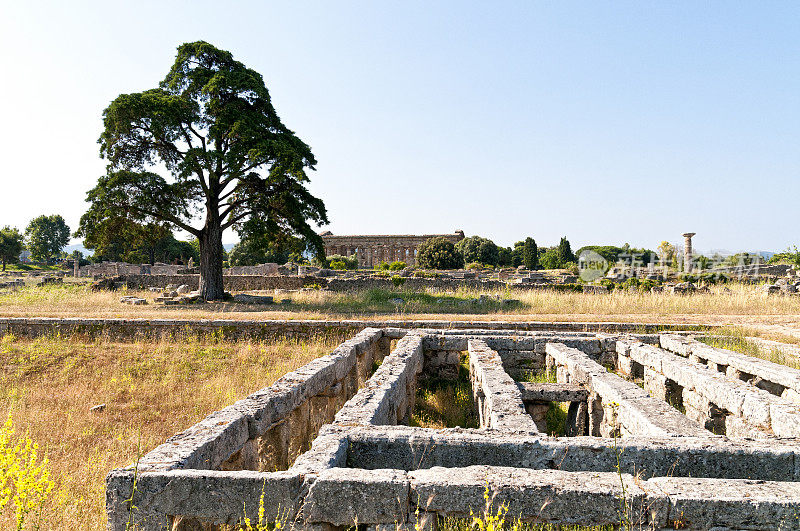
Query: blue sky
[605, 122]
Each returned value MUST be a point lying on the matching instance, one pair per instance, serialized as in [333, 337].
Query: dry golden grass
[737, 304]
[151, 391]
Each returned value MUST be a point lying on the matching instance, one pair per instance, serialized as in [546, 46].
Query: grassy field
[151, 391]
[734, 305]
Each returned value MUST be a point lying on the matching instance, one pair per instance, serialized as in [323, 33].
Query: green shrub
[439, 253]
[337, 261]
[570, 287]
[609, 284]
[549, 259]
[398, 281]
[478, 250]
[707, 278]
[397, 265]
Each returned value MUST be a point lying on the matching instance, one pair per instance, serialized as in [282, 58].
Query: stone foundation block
[346, 497]
[739, 428]
[534, 495]
[720, 504]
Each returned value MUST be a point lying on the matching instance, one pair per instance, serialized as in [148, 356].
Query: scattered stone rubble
[13, 283]
[329, 444]
[132, 300]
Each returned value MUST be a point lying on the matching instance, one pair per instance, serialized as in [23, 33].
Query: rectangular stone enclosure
[657, 431]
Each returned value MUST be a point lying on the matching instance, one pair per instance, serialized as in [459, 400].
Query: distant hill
[69, 249]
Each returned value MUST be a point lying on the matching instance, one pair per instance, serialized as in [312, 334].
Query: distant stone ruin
[372, 250]
[662, 431]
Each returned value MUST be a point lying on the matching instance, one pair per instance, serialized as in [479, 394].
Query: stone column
[77, 267]
[687, 251]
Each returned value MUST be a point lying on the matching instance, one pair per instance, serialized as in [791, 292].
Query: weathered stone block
[699, 503]
[346, 496]
[535, 495]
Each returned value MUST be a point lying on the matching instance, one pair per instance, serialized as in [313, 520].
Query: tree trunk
[211, 282]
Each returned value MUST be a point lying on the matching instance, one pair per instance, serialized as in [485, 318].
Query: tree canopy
[477, 249]
[564, 252]
[259, 247]
[530, 254]
[557, 257]
[10, 245]
[439, 253]
[124, 240]
[46, 236]
[206, 145]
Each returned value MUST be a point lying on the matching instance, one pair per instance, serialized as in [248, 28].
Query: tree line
[45, 238]
[440, 253]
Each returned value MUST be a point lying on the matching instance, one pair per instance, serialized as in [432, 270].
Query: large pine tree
[207, 146]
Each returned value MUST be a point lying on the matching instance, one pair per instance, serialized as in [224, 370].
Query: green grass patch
[493, 523]
[445, 403]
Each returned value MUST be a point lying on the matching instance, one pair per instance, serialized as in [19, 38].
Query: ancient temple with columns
[371, 250]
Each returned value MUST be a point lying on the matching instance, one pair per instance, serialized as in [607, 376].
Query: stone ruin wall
[372, 250]
[260, 282]
[113, 269]
[238, 329]
[365, 465]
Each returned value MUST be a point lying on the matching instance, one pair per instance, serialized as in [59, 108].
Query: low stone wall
[433, 284]
[264, 329]
[779, 380]
[408, 448]
[256, 270]
[617, 406]
[232, 282]
[522, 351]
[388, 398]
[721, 403]
[496, 395]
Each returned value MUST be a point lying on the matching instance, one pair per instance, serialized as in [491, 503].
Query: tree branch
[235, 219]
[171, 219]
